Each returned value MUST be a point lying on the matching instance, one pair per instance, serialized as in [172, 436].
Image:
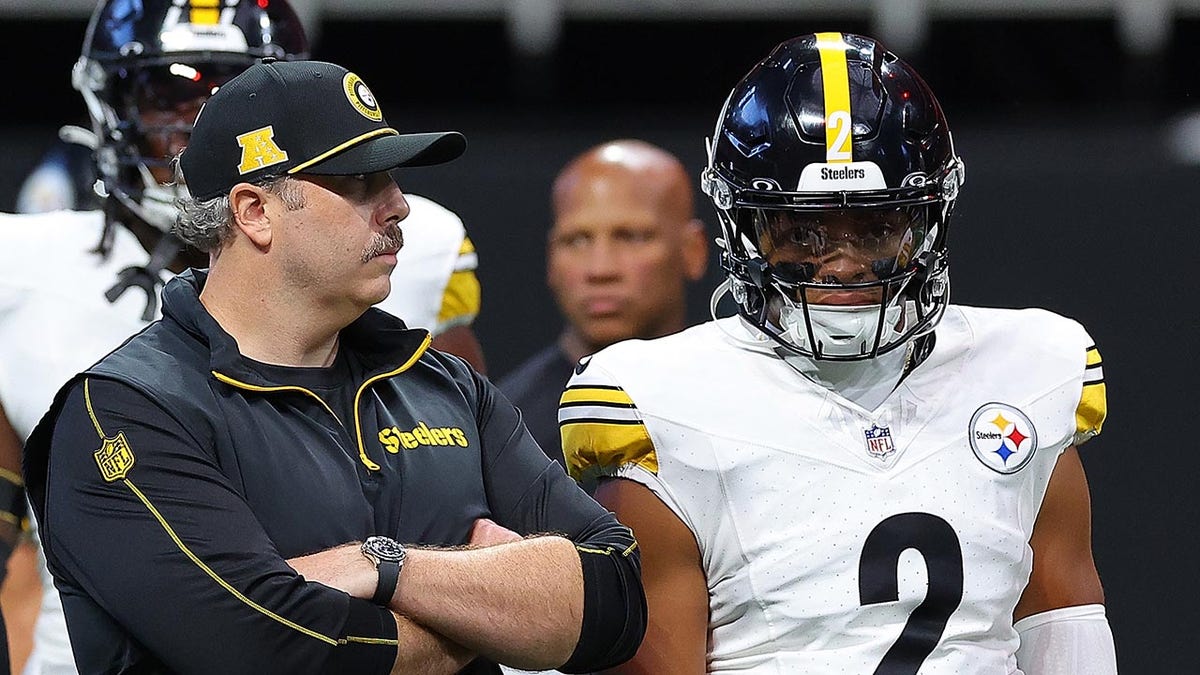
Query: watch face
[384, 549]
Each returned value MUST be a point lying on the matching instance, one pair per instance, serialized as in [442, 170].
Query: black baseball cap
[286, 117]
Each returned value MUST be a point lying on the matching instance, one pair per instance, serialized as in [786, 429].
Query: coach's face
[342, 242]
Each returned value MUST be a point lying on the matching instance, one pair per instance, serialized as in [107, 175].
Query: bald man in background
[624, 245]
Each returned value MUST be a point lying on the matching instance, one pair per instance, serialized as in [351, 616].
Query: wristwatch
[388, 556]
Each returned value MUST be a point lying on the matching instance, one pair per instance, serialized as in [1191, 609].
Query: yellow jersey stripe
[467, 246]
[217, 578]
[593, 448]
[1093, 356]
[595, 395]
[461, 300]
[1092, 409]
[835, 79]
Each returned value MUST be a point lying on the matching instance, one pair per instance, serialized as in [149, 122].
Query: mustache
[391, 239]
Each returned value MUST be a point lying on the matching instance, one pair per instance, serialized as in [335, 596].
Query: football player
[145, 70]
[851, 475]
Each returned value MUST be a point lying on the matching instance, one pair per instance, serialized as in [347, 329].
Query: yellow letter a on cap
[259, 150]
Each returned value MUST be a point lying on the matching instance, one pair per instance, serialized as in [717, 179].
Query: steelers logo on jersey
[361, 97]
[1002, 437]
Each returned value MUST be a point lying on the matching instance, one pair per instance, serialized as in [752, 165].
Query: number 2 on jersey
[937, 543]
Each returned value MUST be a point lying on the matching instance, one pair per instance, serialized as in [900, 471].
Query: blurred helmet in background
[147, 67]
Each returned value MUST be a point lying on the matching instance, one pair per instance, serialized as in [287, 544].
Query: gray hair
[208, 224]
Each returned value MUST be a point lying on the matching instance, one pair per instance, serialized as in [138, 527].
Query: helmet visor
[168, 86]
[845, 249]
[161, 102]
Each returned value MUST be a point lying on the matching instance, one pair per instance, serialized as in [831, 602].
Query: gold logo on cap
[259, 150]
[361, 98]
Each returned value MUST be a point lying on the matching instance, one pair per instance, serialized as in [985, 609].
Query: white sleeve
[1067, 641]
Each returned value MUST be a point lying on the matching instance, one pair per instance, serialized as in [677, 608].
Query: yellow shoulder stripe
[594, 448]
[1093, 401]
[577, 394]
[1093, 408]
[461, 300]
[467, 246]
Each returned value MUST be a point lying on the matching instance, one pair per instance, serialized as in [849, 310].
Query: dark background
[1075, 201]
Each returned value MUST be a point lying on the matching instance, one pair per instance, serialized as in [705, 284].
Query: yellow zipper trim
[251, 387]
[362, 450]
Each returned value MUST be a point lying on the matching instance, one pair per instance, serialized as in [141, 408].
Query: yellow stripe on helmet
[835, 77]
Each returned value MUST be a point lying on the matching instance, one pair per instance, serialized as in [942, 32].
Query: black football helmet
[146, 67]
[833, 148]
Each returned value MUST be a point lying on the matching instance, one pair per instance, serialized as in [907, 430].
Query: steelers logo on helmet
[1002, 437]
[361, 97]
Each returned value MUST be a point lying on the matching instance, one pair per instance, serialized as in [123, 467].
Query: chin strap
[147, 277]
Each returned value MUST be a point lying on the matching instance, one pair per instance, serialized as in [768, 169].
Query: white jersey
[836, 539]
[434, 284]
[55, 322]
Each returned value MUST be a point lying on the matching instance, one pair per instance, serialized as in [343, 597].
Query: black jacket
[173, 479]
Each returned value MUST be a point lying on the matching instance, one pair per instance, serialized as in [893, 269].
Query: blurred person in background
[624, 245]
[85, 272]
[851, 475]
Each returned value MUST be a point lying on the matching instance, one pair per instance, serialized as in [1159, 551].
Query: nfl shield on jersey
[837, 539]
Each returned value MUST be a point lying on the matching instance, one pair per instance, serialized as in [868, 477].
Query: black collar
[379, 341]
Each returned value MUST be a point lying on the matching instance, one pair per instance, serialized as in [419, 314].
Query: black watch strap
[389, 574]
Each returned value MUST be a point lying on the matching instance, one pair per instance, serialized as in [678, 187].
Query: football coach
[277, 478]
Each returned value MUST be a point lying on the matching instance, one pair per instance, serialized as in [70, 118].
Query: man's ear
[250, 216]
[695, 249]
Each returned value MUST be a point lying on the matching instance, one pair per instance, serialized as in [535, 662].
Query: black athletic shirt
[173, 479]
